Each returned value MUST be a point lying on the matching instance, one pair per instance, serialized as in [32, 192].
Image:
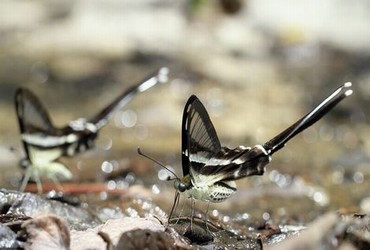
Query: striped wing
[32, 116]
[207, 162]
[204, 158]
[199, 138]
[241, 162]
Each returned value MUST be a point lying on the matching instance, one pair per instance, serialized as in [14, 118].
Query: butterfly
[210, 170]
[44, 144]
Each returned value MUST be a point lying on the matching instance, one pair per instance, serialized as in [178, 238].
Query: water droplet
[111, 185]
[103, 196]
[226, 219]
[155, 189]
[122, 184]
[132, 212]
[107, 167]
[320, 198]
[266, 216]
[128, 118]
[358, 177]
[130, 178]
[164, 174]
[245, 216]
[215, 213]
[146, 205]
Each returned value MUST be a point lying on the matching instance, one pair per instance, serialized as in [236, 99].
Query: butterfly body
[45, 144]
[208, 183]
[68, 140]
[216, 192]
[44, 164]
[210, 170]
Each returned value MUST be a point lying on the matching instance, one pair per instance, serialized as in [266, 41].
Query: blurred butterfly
[44, 143]
[210, 170]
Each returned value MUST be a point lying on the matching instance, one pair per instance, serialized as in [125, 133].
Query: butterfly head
[86, 131]
[24, 163]
[183, 184]
[81, 125]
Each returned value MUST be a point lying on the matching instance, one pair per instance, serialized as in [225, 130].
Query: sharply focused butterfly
[209, 170]
[44, 143]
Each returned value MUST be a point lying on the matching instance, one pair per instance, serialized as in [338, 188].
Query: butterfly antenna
[157, 162]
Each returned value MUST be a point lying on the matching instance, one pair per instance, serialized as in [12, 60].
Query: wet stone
[145, 239]
[13, 202]
[45, 232]
[207, 235]
[8, 238]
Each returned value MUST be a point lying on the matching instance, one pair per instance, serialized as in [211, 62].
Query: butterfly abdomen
[217, 192]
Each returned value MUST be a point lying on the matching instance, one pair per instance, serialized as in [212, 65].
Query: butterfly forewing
[203, 156]
[199, 138]
[31, 114]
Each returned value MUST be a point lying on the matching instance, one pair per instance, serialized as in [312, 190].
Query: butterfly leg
[57, 183]
[174, 206]
[38, 182]
[26, 178]
[31, 171]
[192, 213]
[181, 210]
[206, 217]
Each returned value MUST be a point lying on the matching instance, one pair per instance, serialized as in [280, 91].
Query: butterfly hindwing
[310, 118]
[101, 119]
[210, 170]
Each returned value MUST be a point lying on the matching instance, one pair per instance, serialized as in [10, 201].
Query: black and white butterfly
[45, 144]
[210, 170]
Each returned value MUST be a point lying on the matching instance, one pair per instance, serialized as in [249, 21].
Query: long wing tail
[159, 76]
[316, 114]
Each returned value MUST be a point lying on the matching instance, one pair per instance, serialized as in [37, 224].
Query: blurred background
[257, 65]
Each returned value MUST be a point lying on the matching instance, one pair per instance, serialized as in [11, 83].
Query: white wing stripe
[43, 140]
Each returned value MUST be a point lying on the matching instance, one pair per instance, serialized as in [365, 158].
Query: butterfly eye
[24, 163]
[182, 187]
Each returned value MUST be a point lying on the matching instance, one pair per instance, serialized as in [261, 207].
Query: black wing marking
[159, 76]
[199, 138]
[316, 114]
[32, 116]
[232, 164]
